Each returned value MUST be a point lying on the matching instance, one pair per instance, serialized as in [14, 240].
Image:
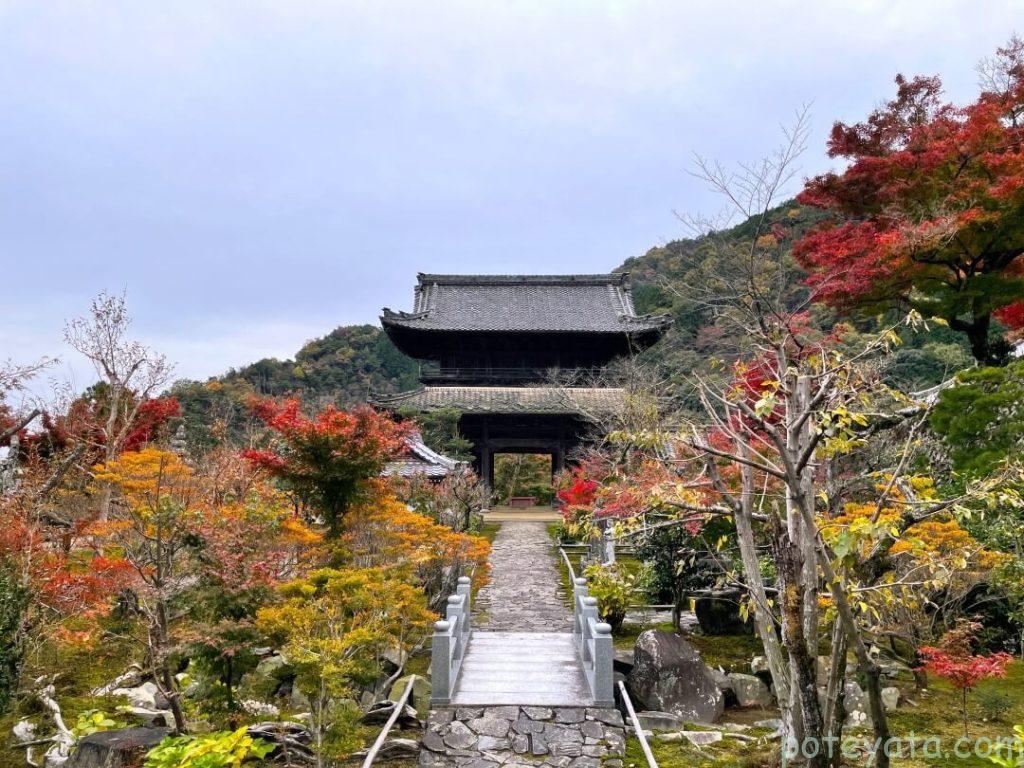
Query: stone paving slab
[534, 736]
[525, 592]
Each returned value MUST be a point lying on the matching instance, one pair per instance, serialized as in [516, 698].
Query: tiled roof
[421, 460]
[524, 303]
[586, 401]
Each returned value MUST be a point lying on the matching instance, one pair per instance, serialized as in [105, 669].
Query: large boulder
[669, 676]
[115, 749]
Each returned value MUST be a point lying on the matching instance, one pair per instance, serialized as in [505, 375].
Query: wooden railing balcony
[431, 373]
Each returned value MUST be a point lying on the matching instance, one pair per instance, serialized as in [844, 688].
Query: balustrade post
[441, 664]
[465, 589]
[604, 662]
[579, 591]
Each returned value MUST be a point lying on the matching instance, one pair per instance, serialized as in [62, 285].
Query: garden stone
[433, 741]
[464, 713]
[520, 743]
[891, 698]
[115, 749]
[489, 726]
[856, 703]
[750, 691]
[395, 749]
[526, 725]
[606, 716]
[538, 746]
[623, 660]
[459, 736]
[562, 734]
[566, 749]
[585, 762]
[487, 743]
[152, 718]
[659, 721]
[538, 713]
[419, 698]
[669, 676]
[569, 715]
[592, 729]
[379, 713]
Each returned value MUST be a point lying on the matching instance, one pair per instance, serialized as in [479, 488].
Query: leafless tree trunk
[131, 371]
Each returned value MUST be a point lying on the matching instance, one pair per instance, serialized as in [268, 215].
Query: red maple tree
[953, 660]
[331, 459]
[929, 213]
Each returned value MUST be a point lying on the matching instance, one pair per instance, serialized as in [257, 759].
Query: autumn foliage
[930, 210]
[328, 460]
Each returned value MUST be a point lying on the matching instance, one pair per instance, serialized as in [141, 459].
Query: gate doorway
[523, 479]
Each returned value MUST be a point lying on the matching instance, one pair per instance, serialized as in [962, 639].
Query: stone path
[525, 593]
[511, 736]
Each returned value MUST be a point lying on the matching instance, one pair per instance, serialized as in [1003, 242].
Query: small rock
[520, 743]
[24, 730]
[465, 713]
[696, 738]
[750, 691]
[395, 749]
[659, 721]
[891, 698]
[152, 718]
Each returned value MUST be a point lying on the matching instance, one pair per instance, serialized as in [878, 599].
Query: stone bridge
[517, 679]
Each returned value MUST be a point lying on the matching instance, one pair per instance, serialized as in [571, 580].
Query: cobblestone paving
[525, 592]
[559, 737]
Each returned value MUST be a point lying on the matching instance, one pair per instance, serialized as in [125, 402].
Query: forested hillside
[341, 368]
[678, 276]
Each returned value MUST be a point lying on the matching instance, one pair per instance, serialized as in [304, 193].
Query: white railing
[448, 645]
[593, 640]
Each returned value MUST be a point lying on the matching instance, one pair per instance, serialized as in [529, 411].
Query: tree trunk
[764, 621]
[801, 663]
[835, 709]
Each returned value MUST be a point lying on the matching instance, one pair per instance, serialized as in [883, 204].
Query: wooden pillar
[487, 465]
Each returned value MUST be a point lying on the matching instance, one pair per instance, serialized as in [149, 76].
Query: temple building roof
[525, 304]
[421, 460]
[583, 401]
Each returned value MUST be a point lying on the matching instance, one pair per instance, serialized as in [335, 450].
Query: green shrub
[219, 749]
[94, 721]
[613, 587]
[994, 704]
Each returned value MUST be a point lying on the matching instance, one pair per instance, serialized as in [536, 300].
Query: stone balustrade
[593, 640]
[448, 644]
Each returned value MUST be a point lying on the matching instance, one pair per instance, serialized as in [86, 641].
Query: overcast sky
[254, 174]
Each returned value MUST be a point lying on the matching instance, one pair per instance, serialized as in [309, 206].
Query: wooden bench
[522, 502]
